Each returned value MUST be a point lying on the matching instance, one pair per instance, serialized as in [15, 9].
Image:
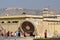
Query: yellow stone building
[32, 23]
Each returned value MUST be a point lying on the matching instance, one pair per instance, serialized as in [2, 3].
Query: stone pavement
[16, 38]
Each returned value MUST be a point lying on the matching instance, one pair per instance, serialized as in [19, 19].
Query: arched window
[14, 21]
[2, 22]
[8, 22]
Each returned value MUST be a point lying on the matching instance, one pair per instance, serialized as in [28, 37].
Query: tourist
[15, 34]
[24, 34]
[12, 34]
[4, 32]
[8, 33]
[45, 34]
[18, 34]
[1, 33]
[31, 34]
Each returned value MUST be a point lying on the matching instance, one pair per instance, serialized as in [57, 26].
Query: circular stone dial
[27, 27]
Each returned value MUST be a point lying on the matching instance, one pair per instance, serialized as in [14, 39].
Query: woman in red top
[45, 34]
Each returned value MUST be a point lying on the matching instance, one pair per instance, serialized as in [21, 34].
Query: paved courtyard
[16, 38]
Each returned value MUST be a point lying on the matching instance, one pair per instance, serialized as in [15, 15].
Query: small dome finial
[6, 14]
[45, 9]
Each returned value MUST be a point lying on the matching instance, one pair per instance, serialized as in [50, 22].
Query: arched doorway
[28, 27]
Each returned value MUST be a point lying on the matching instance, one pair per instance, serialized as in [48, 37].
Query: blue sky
[33, 4]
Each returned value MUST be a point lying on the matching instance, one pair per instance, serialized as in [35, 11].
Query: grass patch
[48, 39]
